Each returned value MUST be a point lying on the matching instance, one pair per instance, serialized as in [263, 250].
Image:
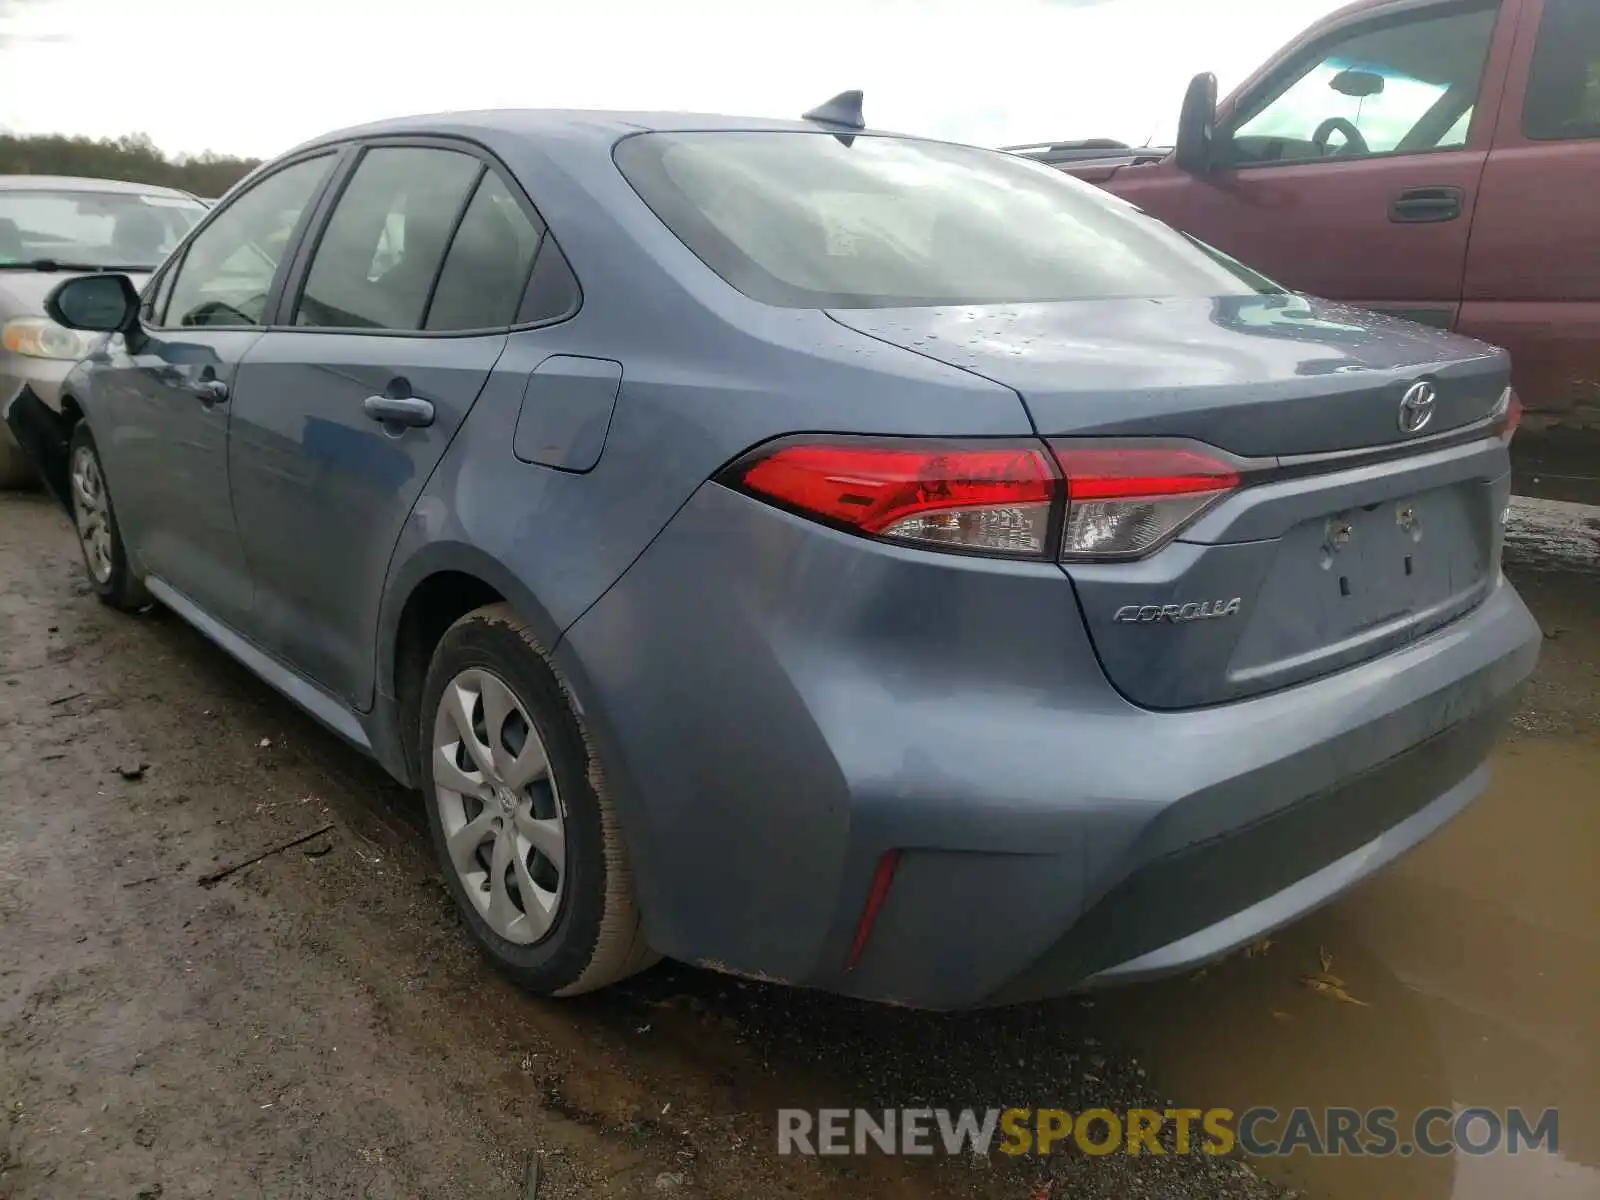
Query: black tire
[121, 588]
[595, 938]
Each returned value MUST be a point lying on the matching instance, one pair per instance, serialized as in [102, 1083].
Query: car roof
[599, 125]
[78, 183]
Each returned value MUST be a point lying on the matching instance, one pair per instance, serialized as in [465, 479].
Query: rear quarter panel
[706, 374]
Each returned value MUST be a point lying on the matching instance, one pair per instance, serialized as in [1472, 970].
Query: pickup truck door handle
[411, 411]
[1415, 206]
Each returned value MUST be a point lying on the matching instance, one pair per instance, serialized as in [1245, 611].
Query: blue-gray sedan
[835, 557]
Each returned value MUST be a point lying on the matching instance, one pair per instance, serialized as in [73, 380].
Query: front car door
[1351, 170]
[1533, 275]
[164, 398]
[389, 333]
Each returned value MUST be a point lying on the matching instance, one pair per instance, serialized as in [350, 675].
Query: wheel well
[436, 603]
[71, 414]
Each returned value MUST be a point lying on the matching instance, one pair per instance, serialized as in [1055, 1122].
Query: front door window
[1387, 87]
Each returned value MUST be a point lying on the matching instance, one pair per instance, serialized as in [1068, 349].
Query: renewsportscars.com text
[1259, 1132]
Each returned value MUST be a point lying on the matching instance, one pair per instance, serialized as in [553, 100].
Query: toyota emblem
[1416, 407]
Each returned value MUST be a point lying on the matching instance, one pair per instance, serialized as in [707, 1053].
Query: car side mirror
[1197, 125]
[106, 303]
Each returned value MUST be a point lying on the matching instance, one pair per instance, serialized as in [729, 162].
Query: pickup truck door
[1533, 275]
[1351, 169]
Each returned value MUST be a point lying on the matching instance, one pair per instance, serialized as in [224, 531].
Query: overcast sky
[254, 77]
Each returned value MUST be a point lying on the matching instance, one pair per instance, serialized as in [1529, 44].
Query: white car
[53, 227]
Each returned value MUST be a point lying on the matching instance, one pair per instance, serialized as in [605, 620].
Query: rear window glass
[813, 220]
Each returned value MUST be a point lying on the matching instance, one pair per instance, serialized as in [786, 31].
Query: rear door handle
[1416, 206]
[410, 411]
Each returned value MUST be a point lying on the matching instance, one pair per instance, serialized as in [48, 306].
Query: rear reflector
[1127, 501]
[992, 499]
[882, 880]
[1106, 501]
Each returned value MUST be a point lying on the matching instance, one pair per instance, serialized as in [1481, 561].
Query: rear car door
[399, 312]
[162, 413]
[1533, 276]
[1351, 172]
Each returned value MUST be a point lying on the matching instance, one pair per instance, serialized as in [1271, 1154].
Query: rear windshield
[814, 220]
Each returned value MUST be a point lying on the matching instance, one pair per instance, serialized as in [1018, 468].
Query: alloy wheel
[502, 815]
[92, 511]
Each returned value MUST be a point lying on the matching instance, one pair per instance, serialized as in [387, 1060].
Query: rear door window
[486, 271]
[1563, 99]
[380, 254]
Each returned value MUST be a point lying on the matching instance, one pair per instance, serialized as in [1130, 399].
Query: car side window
[486, 271]
[154, 308]
[227, 272]
[553, 292]
[1392, 86]
[381, 252]
[1563, 99]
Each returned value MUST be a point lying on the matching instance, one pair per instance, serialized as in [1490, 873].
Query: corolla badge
[1416, 407]
[1177, 614]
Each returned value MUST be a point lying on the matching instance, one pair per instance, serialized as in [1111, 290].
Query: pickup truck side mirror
[1197, 125]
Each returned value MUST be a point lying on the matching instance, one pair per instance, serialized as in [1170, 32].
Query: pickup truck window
[1563, 99]
[1389, 86]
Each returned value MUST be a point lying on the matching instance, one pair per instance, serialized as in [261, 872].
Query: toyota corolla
[829, 556]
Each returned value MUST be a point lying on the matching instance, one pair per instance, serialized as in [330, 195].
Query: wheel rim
[504, 823]
[92, 511]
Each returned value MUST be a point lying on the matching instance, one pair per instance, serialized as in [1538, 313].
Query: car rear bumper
[778, 705]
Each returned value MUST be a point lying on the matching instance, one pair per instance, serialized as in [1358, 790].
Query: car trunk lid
[1358, 526]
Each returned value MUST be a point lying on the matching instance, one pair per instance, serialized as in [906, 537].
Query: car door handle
[1415, 206]
[210, 391]
[410, 411]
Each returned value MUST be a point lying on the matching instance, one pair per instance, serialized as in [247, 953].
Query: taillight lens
[1508, 415]
[1108, 501]
[1123, 502]
[996, 500]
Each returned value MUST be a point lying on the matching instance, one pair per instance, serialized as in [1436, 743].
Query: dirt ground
[316, 1025]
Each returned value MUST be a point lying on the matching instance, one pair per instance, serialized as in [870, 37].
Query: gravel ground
[316, 1025]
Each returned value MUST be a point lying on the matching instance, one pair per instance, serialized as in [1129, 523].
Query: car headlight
[40, 337]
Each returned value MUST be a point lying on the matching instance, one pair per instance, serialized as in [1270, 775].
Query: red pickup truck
[1438, 159]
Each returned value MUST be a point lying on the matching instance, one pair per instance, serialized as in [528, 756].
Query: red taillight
[1109, 501]
[1509, 415]
[995, 499]
[1125, 501]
